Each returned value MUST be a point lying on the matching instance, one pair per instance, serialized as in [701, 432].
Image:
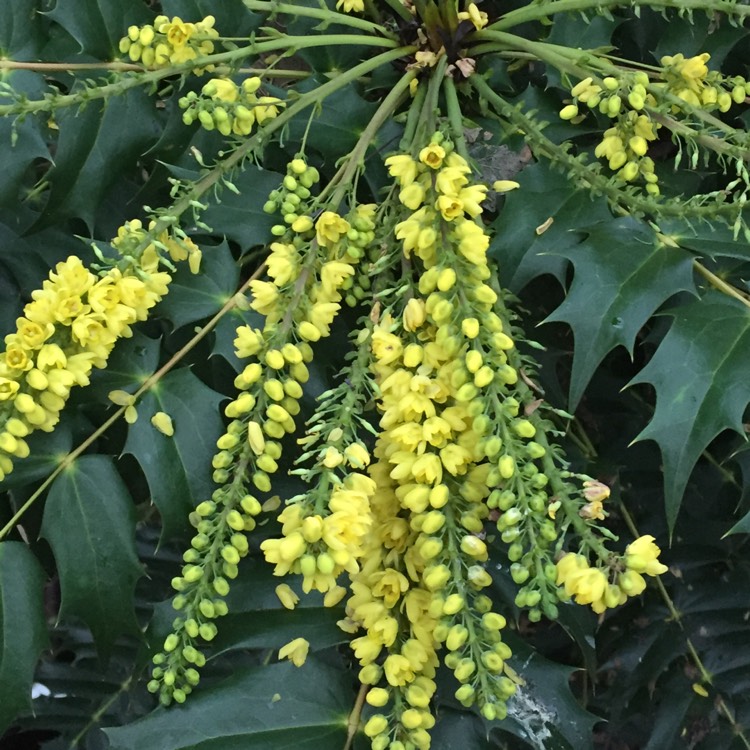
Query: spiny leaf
[194, 297]
[526, 243]
[98, 25]
[94, 150]
[239, 216]
[23, 631]
[177, 468]
[20, 37]
[621, 278]
[698, 392]
[90, 525]
[269, 708]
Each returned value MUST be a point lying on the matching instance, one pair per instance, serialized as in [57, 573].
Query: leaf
[177, 468]
[47, 449]
[20, 37]
[232, 16]
[240, 217]
[95, 150]
[132, 362]
[621, 277]
[98, 25]
[89, 523]
[278, 707]
[23, 630]
[698, 391]
[523, 253]
[225, 333]
[544, 712]
[193, 297]
[20, 139]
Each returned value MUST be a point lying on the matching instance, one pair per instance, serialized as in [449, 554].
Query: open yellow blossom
[296, 651]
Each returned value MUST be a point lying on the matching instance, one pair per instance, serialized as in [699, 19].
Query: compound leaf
[698, 391]
[23, 631]
[90, 525]
[621, 278]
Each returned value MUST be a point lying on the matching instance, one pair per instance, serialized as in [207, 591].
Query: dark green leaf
[131, 363]
[23, 630]
[240, 217]
[232, 17]
[94, 150]
[47, 449]
[20, 37]
[698, 392]
[89, 523]
[98, 25]
[194, 297]
[270, 708]
[177, 468]
[520, 247]
[621, 277]
[20, 139]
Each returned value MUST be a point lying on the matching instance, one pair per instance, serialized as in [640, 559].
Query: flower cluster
[133, 240]
[299, 300]
[169, 41]
[229, 107]
[610, 587]
[70, 327]
[631, 100]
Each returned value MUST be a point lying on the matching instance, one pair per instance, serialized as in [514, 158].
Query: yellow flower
[403, 168]
[432, 155]
[351, 6]
[642, 555]
[286, 596]
[296, 651]
[505, 186]
[329, 228]
[478, 17]
[414, 314]
[8, 389]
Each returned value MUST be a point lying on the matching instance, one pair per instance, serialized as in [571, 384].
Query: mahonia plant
[434, 466]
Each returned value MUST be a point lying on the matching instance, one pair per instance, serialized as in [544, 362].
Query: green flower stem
[121, 67]
[67, 460]
[291, 43]
[628, 200]
[400, 9]
[311, 98]
[455, 118]
[324, 14]
[412, 120]
[427, 122]
[534, 12]
[355, 159]
[676, 616]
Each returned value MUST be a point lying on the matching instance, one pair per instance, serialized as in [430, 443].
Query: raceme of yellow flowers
[632, 100]
[70, 327]
[401, 524]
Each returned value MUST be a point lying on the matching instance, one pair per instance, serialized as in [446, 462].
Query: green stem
[53, 102]
[400, 10]
[534, 12]
[455, 117]
[415, 110]
[324, 14]
[598, 183]
[384, 111]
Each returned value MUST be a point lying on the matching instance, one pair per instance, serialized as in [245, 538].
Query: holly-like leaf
[539, 221]
[276, 707]
[23, 630]
[20, 37]
[98, 25]
[21, 140]
[698, 392]
[90, 525]
[239, 216]
[94, 151]
[194, 297]
[621, 277]
[177, 468]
